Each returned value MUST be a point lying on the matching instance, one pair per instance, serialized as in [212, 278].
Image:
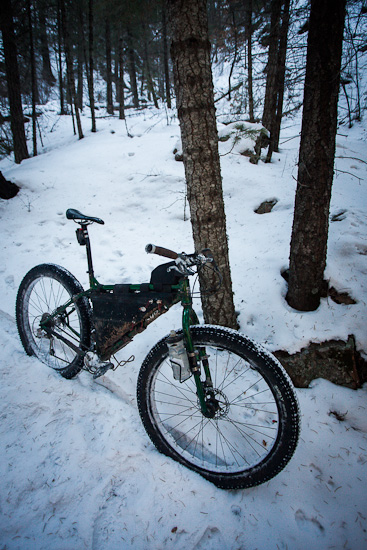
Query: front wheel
[254, 427]
[57, 335]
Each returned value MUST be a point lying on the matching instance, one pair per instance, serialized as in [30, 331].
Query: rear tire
[254, 431]
[45, 288]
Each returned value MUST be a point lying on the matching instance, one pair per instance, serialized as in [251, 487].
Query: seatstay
[73, 214]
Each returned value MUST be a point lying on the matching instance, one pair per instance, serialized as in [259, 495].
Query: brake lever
[203, 259]
[181, 265]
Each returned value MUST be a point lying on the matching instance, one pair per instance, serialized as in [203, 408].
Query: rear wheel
[252, 427]
[44, 289]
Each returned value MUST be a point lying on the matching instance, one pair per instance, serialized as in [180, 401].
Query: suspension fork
[189, 318]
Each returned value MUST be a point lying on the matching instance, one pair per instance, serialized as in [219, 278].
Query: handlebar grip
[160, 251]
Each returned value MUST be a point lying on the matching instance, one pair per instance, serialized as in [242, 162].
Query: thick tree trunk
[190, 52]
[13, 82]
[316, 156]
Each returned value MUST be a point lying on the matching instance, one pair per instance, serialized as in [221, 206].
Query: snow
[78, 470]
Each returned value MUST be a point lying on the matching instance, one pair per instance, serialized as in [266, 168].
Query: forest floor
[77, 468]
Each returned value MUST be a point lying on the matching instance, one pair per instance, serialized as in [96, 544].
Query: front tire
[255, 428]
[45, 288]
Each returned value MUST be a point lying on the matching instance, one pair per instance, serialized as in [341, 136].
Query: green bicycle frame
[189, 318]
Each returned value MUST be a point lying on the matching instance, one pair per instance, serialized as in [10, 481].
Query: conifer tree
[316, 155]
[13, 81]
[190, 52]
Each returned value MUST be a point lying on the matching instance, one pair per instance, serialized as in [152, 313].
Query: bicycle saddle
[73, 214]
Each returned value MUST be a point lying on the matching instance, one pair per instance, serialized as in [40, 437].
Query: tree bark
[13, 81]
[190, 52]
[80, 57]
[120, 85]
[165, 57]
[232, 12]
[282, 55]
[69, 67]
[90, 68]
[33, 78]
[316, 155]
[271, 70]
[59, 57]
[108, 67]
[150, 84]
[45, 52]
[248, 28]
[132, 70]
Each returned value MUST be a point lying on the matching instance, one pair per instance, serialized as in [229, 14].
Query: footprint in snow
[211, 540]
[308, 523]
[10, 281]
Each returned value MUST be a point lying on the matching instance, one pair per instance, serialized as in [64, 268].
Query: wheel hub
[38, 327]
[217, 404]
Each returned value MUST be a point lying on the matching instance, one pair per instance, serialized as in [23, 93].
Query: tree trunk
[190, 52]
[59, 56]
[90, 68]
[282, 54]
[45, 53]
[316, 155]
[248, 28]
[108, 67]
[13, 81]
[271, 70]
[121, 93]
[235, 39]
[150, 84]
[80, 58]
[33, 78]
[132, 70]
[165, 57]
[69, 67]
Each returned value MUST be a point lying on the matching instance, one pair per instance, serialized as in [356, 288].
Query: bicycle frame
[189, 317]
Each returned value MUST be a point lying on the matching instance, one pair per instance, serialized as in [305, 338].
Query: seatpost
[89, 257]
[83, 239]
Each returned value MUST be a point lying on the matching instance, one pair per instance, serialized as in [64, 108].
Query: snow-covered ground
[77, 469]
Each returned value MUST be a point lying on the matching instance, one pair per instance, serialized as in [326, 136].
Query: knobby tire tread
[271, 371]
[73, 287]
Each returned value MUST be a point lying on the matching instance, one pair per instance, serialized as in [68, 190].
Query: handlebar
[184, 262]
[161, 251]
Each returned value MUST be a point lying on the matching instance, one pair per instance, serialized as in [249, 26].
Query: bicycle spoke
[244, 427]
[44, 297]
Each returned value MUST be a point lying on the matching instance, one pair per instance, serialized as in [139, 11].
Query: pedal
[100, 371]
